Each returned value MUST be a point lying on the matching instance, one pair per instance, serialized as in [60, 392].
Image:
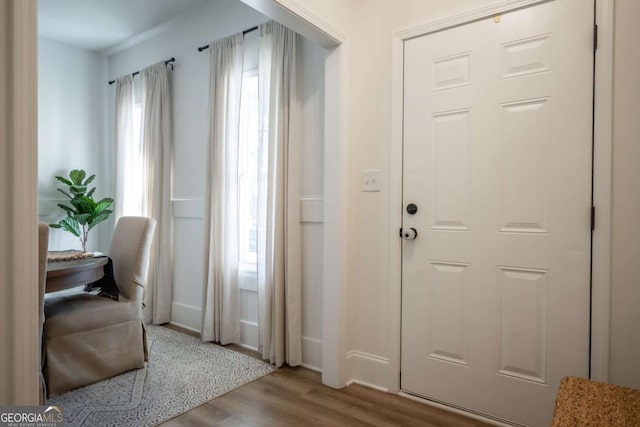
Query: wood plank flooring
[296, 397]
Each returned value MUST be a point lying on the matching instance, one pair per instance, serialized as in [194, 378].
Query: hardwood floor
[296, 397]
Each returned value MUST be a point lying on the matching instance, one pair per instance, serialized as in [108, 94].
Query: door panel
[497, 157]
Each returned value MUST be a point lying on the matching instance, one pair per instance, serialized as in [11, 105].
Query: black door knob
[412, 209]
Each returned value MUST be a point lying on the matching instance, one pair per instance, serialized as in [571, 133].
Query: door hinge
[593, 218]
[595, 38]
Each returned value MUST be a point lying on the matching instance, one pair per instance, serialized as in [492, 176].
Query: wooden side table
[69, 274]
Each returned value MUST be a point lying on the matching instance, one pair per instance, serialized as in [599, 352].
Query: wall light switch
[371, 180]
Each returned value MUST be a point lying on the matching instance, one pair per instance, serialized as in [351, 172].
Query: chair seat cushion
[71, 313]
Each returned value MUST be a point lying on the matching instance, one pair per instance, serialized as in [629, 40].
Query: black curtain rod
[205, 47]
[167, 62]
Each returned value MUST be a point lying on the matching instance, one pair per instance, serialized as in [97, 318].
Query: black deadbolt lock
[412, 209]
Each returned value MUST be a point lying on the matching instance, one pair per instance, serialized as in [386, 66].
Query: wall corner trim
[294, 7]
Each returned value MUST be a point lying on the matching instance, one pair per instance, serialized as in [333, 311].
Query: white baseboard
[354, 355]
[248, 347]
[311, 368]
[180, 325]
[369, 370]
[471, 415]
[312, 353]
[186, 316]
[189, 317]
[365, 384]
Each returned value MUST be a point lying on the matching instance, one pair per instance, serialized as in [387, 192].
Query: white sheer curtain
[143, 175]
[220, 320]
[279, 238]
[156, 188]
[126, 143]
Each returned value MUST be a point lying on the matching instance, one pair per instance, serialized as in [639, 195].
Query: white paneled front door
[497, 163]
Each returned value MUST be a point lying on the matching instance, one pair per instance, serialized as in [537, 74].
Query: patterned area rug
[182, 373]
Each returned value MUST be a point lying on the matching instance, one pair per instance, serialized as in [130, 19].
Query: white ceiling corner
[100, 25]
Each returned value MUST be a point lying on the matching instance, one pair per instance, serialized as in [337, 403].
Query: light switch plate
[371, 180]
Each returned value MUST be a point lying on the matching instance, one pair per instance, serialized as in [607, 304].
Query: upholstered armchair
[89, 338]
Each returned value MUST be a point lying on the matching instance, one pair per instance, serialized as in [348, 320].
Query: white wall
[190, 92]
[367, 62]
[625, 280]
[190, 86]
[71, 131]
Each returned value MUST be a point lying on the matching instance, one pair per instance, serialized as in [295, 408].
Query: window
[248, 173]
[133, 164]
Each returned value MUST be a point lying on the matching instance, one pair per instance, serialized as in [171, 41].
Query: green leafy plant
[84, 213]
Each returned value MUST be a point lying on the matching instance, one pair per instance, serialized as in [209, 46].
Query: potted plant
[84, 213]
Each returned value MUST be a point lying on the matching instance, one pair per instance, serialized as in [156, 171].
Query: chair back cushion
[130, 249]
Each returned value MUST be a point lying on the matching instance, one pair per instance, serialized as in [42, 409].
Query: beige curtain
[279, 239]
[156, 175]
[221, 321]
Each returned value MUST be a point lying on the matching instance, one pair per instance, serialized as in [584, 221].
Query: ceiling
[100, 25]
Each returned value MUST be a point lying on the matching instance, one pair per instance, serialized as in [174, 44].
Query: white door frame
[602, 172]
